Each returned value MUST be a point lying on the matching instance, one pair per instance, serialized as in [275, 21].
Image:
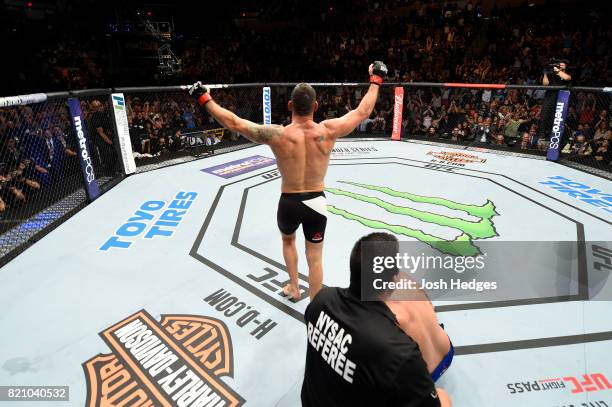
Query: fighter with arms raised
[302, 151]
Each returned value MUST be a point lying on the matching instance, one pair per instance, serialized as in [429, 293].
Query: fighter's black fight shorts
[308, 209]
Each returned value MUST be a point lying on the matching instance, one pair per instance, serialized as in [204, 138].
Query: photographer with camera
[554, 74]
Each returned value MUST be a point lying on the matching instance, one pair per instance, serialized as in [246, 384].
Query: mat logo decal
[455, 158]
[481, 227]
[580, 191]
[352, 151]
[177, 361]
[245, 315]
[588, 383]
[149, 217]
[238, 167]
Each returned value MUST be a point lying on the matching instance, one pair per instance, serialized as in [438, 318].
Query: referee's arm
[413, 386]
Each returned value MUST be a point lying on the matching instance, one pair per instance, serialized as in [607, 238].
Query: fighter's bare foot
[291, 291]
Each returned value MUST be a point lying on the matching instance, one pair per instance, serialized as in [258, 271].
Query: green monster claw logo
[463, 245]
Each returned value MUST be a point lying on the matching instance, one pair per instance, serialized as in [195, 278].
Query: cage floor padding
[171, 282]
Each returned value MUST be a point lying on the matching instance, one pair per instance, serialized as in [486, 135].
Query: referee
[357, 354]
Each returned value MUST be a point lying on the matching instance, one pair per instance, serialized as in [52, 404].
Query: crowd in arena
[418, 41]
[71, 64]
[422, 44]
[163, 123]
[38, 149]
[35, 149]
[505, 118]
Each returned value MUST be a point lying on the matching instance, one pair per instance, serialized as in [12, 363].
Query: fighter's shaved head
[303, 98]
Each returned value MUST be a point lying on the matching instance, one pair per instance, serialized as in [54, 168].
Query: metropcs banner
[78, 125]
[556, 133]
[397, 113]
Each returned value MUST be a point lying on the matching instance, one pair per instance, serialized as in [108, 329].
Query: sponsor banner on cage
[238, 167]
[267, 105]
[22, 99]
[397, 113]
[556, 133]
[123, 133]
[80, 131]
[179, 360]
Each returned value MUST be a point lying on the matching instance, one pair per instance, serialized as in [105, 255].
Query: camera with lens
[553, 64]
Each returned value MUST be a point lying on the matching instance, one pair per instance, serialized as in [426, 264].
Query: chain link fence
[41, 182]
[38, 167]
[337, 100]
[589, 129]
[167, 127]
[503, 119]
[43, 178]
[101, 137]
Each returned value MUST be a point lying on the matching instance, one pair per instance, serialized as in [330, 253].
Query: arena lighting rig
[169, 63]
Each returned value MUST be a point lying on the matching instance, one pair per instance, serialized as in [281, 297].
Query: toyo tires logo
[479, 224]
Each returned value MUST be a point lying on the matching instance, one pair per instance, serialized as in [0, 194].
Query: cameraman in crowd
[554, 75]
[558, 75]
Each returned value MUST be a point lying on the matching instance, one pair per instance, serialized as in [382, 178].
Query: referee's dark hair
[362, 261]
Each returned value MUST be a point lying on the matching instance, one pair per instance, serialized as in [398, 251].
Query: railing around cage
[32, 205]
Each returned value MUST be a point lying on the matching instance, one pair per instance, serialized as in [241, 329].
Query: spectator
[603, 154]
[578, 147]
[100, 136]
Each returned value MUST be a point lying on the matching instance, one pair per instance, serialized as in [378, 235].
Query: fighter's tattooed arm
[263, 133]
[258, 133]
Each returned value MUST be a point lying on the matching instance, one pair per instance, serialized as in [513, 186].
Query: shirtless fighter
[302, 152]
[418, 320]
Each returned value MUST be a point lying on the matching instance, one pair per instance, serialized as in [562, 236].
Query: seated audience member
[542, 144]
[602, 152]
[357, 354]
[602, 131]
[456, 134]
[578, 147]
[432, 132]
[525, 141]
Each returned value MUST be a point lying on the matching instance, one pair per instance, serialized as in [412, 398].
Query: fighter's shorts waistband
[302, 196]
[445, 363]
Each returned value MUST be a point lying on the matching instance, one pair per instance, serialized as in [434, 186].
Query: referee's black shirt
[358, 356]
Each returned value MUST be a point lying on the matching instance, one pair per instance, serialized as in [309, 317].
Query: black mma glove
[200, 93]
[379, 72]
